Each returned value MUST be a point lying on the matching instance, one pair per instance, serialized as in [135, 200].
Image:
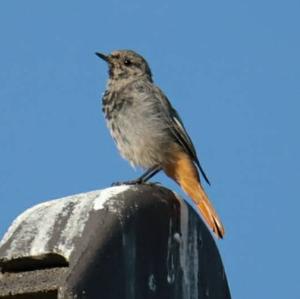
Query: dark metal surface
[122, 242]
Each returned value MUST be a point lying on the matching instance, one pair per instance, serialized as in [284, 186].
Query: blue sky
[231, 69]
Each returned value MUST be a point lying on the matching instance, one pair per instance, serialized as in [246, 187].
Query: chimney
[131, 242]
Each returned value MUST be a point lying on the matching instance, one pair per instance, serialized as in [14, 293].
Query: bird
[149, 132]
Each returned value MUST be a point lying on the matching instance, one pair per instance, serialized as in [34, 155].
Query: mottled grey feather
[179, 131]
[141, 119]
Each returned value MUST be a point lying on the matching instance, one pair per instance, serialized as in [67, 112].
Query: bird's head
[126, 64]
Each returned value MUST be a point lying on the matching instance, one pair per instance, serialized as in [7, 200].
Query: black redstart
[149, 132]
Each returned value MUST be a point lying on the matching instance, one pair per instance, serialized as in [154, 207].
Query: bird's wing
[178, 130]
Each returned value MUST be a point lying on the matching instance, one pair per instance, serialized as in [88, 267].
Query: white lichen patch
[108, 193]
[152, 283]
[170, 255]
[22, 219]
[79, 214]
[47, 218]
[52, 226]
[177, 237]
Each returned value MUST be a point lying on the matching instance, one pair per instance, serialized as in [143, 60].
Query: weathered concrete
[121, 242]
[49, 232]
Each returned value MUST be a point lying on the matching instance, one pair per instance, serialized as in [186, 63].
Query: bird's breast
[138, 129]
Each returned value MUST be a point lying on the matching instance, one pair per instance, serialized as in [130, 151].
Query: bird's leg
[147, 175]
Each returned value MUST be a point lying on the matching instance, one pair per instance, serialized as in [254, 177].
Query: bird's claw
[135, 182]
[153, 183]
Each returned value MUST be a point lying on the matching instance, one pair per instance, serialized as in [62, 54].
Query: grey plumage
[149, 132]
[141, 119]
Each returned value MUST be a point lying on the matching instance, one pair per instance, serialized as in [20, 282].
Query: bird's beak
[103, 56]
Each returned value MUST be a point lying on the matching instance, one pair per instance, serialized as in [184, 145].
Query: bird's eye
[127, 61]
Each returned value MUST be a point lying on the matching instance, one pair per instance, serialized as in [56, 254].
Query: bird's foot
[135, 182]
[152, 184]
[132, 182]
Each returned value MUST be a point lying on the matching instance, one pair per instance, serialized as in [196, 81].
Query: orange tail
[185, 173]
